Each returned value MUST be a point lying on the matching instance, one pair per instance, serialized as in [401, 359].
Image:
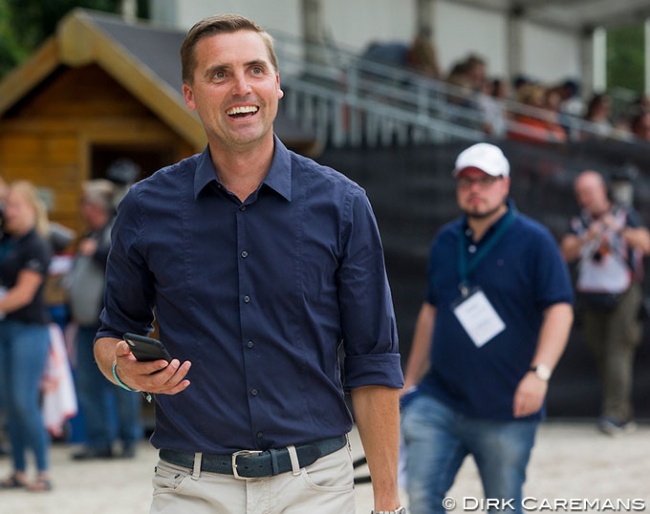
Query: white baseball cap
[484, 156]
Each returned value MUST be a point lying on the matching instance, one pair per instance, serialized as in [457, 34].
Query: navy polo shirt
[259, 295]
[521, 275]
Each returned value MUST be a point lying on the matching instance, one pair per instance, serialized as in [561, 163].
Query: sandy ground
[573, 468]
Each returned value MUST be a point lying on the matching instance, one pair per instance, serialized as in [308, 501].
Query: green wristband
[119, 382]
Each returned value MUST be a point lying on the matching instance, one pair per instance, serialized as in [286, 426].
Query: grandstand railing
[346, 100]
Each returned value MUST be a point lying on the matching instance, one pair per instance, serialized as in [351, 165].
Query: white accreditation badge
[479, 319]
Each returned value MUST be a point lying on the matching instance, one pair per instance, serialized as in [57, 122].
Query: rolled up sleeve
[368, 318]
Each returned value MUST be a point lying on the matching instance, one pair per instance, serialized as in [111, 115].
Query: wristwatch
[400, 510]
[542, 371]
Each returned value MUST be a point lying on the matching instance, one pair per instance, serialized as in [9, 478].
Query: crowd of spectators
[521, 108]
[530, 110]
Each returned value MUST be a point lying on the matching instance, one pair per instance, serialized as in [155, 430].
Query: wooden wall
[48, 136]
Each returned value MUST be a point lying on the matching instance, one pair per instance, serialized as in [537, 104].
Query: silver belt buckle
[234, 462]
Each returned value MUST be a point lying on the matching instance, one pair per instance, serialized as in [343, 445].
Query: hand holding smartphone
[146, 348]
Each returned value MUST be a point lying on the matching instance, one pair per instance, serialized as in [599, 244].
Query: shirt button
[260, 435]
[247, 299]
[244, 254]
[471, 249]
[254, 392]
[242, 207]
[250, 344]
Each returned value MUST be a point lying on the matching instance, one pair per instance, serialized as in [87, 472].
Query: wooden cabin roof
[143, 58]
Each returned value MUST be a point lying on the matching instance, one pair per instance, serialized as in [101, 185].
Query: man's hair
[99, 192]
[219, 24]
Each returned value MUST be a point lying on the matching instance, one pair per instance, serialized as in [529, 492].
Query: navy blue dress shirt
[261, 296]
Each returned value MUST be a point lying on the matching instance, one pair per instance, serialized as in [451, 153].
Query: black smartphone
[146, 348]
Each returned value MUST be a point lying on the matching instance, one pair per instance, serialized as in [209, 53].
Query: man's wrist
[542, 371]
[119, 382]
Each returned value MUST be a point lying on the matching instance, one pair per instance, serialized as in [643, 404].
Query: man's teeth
[242, 110]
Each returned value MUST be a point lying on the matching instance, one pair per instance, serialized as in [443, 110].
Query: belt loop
[196, 470]
[275, 466]
[295, 464]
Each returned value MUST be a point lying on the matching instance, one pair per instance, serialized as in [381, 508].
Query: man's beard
[482, 215]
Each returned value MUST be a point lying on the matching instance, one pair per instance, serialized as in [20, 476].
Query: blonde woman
[24, 337]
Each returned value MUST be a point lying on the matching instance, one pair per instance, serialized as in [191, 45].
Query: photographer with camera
[608, 240]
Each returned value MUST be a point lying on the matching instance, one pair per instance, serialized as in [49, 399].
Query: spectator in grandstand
[598, 115]
[642, 103]
[640, 125]
[476, 69]
[518, 83]
[486, 340]
[571, 103]
[608, 241]
[467, 78]
[460, 96]
[421, 56]
[538, 120]
[493, 109]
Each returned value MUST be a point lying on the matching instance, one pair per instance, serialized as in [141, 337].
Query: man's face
[235, 89]
[479, 195]
[591, 194]
[94, 216]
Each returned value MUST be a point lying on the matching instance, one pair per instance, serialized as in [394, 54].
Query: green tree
[10, 51]
[25, 24]
[625, 58]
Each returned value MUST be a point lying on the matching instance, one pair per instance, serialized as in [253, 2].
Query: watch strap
[542, 371]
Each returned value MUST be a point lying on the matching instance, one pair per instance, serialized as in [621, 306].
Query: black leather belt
[256, 464]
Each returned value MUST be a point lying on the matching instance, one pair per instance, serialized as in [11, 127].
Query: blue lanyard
[465, 268]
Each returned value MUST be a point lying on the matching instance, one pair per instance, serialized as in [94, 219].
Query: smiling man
[493, 326]
[260, 265]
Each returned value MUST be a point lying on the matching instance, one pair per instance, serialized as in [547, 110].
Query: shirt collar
[277, 178]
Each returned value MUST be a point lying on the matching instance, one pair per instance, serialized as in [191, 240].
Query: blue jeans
[438, 439]
[24, 349]
[95, 393]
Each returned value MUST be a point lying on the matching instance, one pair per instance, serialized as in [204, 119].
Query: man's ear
[188, 96]
[280, 92]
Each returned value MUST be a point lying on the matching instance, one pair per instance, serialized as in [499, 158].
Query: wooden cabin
[97, 91]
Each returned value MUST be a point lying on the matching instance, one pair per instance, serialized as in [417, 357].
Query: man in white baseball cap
[499, 297]
[484, 156]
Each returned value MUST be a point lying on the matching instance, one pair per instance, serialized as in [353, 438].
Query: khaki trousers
[324, 487]
[613, 338]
